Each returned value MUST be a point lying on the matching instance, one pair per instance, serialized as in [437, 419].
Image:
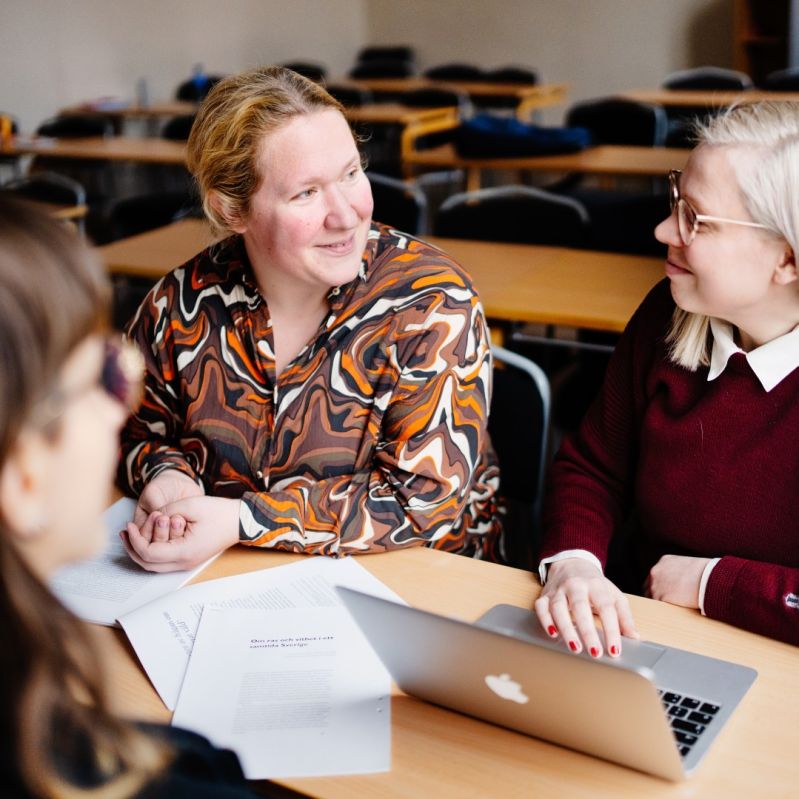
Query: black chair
[782, 80]
[350, 96]
[398, 203]
[455, 72]
[438, 98]
[617, 121]
[511, 74]
[708, 78]
[391, 52]
[49, 187]
[76, 126]
[196, 88]
[132, 215]
[381, 69]
[520, 214]
[314, 72]
[178, 128]
[519, 427]
[681, 119]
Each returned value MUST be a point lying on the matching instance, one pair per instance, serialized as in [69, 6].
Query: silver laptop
[656, 709]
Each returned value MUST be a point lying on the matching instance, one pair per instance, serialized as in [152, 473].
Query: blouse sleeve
[432, 438]
[151, 439]
[756, 596]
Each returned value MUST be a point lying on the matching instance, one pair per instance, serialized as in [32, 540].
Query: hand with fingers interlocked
[574, 593]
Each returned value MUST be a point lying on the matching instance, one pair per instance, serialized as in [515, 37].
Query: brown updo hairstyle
[53, 708]
[229, 128]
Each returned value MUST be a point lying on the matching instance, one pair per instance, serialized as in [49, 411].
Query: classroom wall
[598, 46]
[55, 52]
[58, 52]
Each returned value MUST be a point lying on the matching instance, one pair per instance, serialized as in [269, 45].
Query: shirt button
[259, 474]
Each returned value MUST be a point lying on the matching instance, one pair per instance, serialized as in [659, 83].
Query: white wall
[59, 52]
[598, 46]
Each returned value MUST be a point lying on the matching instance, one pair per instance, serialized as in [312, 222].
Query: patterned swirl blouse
[372, 438]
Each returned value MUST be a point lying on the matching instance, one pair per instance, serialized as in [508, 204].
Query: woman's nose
[668, 232]
[340, 211]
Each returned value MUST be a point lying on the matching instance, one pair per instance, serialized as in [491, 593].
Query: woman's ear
[786, 269]
[24, 487]
[223, 209]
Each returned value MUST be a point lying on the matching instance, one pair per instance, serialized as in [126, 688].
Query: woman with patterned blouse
[315, 382]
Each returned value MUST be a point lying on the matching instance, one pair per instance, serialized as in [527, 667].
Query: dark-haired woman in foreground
[65, 391]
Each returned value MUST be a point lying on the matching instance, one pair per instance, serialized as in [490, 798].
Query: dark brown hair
[53, 709]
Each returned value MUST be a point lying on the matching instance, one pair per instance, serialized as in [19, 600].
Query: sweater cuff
[719, 590]
[703, 583]
[583, 554]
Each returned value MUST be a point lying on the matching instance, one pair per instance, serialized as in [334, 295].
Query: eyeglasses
[121, 377]
[687, 218]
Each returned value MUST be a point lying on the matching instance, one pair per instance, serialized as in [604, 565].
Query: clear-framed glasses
[687, 218]
[121, 377]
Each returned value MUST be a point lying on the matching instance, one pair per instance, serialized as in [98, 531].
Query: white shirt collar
[772, 362]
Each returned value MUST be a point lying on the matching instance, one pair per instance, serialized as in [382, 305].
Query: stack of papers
[269, 663]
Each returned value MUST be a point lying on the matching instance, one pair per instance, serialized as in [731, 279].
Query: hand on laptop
[574, 592]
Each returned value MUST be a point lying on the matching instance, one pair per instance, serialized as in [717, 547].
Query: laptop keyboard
[689, 718]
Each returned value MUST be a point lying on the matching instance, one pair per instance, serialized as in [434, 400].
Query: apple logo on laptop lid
[506, 688]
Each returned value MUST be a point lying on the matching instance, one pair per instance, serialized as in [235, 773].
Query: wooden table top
[436, 752]
[608, 159]
[555, 92]
[146, 149]
[516, 282]
[167, 108]
[703, 98]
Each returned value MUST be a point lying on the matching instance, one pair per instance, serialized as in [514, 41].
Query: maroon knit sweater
[710, 468]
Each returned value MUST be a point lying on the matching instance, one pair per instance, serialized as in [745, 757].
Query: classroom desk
[169, 108]
[699, 98]
[528, 97]
[516, 282]
[438, 753]
[144, 149]
[608, 159]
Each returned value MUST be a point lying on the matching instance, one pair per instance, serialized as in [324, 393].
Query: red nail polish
[594, 652]
[614, 650]
[573, 646]
[552, 630]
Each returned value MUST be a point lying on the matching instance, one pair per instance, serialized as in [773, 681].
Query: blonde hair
[230, 125]
[54, 712]
[769, 186]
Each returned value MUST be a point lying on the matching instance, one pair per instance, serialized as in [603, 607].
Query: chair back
[519, 427]
[398, 203]
[350, 96]
[511, 74]
[455, 71]
[382, 68]
[391, 52]
[178, 128]
[708, 78]
[438, 98]
[782, 80]
[617, 121]
[137, 214]
[314, 72]
[196, 88]
[76, 126]
[48, 187]
[520, 214]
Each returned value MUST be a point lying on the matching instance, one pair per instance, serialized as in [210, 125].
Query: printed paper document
[162, 632]
[104, 588]
[294, 692]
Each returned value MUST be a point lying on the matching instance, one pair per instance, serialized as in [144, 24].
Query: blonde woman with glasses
[687, 462]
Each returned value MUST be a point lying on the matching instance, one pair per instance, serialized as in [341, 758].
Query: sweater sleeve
[433, 435]
[151, 440]
[590, 490]
[760, 597]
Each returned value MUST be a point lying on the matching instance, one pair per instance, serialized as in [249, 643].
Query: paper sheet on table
[295, 692]
[108, 586]
[162, 632]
